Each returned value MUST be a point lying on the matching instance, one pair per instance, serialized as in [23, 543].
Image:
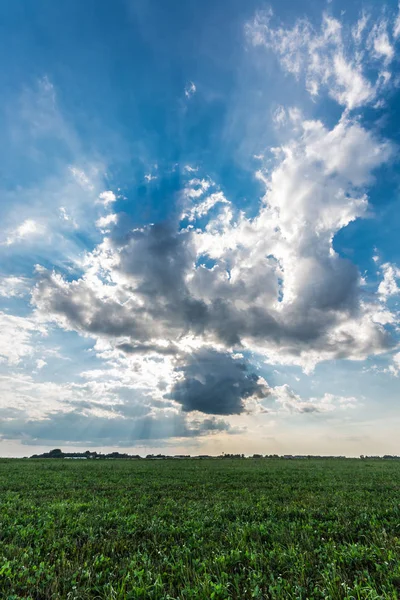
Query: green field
[199, 529]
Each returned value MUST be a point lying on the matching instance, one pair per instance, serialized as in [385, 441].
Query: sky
[199, 217]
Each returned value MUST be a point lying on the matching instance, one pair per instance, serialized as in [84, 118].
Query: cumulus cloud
[151, 299]
[352, 64]
[170, 304]
[216, 383]
[181, 311]
[389, 286]
[107, 197]
[157, 298]
[177, 308]
[105, 222]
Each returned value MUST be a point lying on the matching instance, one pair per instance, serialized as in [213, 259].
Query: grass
[210, 529]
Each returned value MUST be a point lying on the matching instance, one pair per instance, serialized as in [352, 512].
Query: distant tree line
[57, 453]
[93, 455]
[385, 456]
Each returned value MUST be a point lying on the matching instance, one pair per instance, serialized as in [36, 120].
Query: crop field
[207, 529]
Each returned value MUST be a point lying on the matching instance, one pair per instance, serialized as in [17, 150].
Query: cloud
[65, 216]
[149, 177]
[82, 178]
[14, 287]
[196, 188]
[279, 116]
[52, 207]
[28, 229]
[394, 368]
[107, 197]
[216, 383]
[201, 209]
[396, 28]
[388, 286]
[291, 402]
[379, 39]
[190, 89]
[275, 284]
[76, 428]
[31, 399]
[351, 64]
[104, 223]
[143, 349]
[16, 337]
[36, 117]
[46, 412]
[178, 311]
[38, 213]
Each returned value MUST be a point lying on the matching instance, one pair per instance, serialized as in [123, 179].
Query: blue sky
[198, 236]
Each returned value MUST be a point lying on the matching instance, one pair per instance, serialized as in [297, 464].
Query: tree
[56, 453]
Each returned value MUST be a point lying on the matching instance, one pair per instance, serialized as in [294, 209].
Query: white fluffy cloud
[107, 197]
[389, 286]
[105, 222]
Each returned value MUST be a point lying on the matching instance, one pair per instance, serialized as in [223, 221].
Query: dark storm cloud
[216, 383]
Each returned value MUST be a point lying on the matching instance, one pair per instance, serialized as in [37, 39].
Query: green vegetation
[210, 529]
